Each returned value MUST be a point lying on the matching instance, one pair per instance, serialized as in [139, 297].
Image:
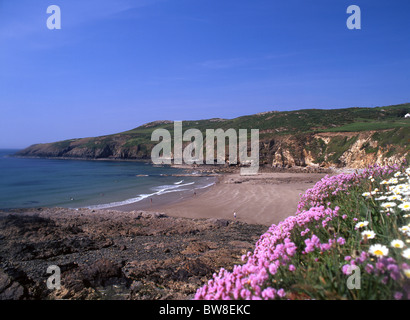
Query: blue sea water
[27, 182]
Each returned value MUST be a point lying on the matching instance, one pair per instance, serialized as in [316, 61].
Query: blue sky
[115, 65]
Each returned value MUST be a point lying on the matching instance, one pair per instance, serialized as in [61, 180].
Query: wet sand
[266, 198]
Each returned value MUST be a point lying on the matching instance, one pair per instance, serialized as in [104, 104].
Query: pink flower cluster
[334, 185]
[314, 243]
[274, 249]
[377, 170]
[324, 188]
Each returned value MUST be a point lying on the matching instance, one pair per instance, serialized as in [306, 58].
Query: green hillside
[387, 125]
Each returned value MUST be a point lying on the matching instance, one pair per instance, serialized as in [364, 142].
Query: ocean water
[26, 182]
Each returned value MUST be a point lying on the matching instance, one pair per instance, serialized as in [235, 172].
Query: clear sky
[117, 64]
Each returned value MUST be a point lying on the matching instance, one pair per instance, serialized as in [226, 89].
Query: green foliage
[96, 144]
[63, 144]
[398, 137]
[337, 146]
[368, 126]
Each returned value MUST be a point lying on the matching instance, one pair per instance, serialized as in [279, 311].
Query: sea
[37, 182]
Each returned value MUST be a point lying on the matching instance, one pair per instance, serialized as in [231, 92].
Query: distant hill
[351, 137]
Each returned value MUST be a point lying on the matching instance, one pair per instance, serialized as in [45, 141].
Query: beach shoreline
[265, 198]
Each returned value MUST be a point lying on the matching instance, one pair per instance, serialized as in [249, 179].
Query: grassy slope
[290, 122]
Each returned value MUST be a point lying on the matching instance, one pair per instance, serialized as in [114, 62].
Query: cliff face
[353, 150]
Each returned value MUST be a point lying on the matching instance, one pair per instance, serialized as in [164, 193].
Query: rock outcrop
[342, 149]
[115, 255]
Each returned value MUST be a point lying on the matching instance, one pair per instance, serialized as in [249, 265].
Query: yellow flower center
[378, 253]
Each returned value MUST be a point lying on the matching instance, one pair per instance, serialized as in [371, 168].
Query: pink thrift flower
[281, 293]
[369, 268]
[346, 269]
[398, 295]
[268, 293]
[341, 241]
[325, 246]
[273, 268]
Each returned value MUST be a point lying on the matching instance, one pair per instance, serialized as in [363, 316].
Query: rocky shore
[107, 254]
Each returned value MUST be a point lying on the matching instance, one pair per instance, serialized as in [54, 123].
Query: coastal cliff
[353, 137]
[339, 149]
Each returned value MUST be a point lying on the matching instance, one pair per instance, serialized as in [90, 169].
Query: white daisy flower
[368, 234]
[388, 204]
[394, 197]
[406, 253]
[397, 244]
[362, 224]
[405, 206]
[393, 181]
[404, 229]
[381, 198]
[378, 250]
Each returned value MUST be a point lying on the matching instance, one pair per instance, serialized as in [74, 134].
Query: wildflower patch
[357, 221]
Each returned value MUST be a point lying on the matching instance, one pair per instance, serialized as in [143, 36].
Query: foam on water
[159, 190]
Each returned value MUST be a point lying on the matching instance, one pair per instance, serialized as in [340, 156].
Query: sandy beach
[266, 198]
